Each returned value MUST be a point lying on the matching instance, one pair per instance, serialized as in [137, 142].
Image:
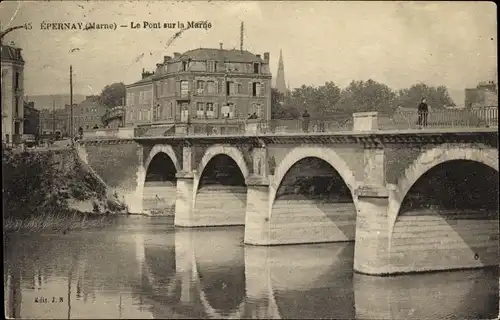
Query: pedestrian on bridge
[305, 121]
[423, 112]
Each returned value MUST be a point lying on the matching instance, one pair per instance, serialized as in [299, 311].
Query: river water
[145, 268]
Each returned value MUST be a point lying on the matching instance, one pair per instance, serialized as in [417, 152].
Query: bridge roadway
[372, 176]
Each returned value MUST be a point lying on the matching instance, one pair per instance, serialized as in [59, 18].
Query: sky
[397, 43]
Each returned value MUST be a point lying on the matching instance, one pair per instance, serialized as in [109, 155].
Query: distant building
[87, 114]
[52, 122]
[31, 123]
[202, 86]
[12, 104]
[484, 95]
[54, 101]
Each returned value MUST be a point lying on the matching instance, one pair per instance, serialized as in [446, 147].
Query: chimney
[166, 58]
[266, 57]
[176, 54]
[220, 43]
[258, 56]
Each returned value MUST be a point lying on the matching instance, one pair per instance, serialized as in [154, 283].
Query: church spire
[280, 77]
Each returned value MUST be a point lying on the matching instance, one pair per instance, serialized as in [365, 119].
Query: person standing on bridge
[305, 121]
[423, 112]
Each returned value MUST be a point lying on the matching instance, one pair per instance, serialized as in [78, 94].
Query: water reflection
[145, 268]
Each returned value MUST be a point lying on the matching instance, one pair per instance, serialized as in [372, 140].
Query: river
[145, 268]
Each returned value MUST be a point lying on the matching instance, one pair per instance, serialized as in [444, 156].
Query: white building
[12, 94]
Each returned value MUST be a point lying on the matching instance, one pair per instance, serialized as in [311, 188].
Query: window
[228, 87]
[17, 106]
[210, 110]
[228, 111]
[238, 88]
[211, 66]
[258, 110]
[184, 88]
[200, 110]
[184, 66]
[16, 81]
[211, 87]
[169, 110]
[255, 68]
[257, 89]
[200, 86]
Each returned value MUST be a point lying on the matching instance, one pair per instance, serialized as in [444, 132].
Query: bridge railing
[448, 118]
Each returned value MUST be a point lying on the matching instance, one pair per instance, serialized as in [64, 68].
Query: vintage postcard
[250, 159]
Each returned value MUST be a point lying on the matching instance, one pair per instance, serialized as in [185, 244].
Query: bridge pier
[372, 233]
[257, 218]
[372, 228]
[184, 200]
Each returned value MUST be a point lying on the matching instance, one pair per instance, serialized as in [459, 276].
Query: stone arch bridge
[390, 192]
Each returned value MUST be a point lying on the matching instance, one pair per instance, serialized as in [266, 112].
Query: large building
[56, 121]
[484, 95]
[12, 94]
[202, 86]
[87, 114]
[31, 123]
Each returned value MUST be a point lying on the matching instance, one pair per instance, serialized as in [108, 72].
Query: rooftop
[11, 53]
[232, 55]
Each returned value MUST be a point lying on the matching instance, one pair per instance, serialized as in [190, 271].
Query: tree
[281, 107]
[437, 97]
[362, 96]
[113, 95]
[328, 96]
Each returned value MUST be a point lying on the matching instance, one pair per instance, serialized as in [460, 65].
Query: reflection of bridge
[374, 176]
[312, 281]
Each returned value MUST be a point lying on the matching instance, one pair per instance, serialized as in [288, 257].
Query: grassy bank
[62, 222]
[53, 190]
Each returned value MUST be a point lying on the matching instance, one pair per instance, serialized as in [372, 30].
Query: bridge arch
[221, 175]
[326, 154]
[427, 213]
[165, 148]
[158, 187]
[431, 158]
[231, 152]
[324, 196]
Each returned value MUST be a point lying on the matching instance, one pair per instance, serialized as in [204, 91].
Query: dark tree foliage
[113, 95]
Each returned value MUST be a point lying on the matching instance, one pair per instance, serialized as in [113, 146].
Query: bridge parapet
[358, 122]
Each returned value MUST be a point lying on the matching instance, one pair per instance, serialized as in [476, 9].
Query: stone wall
[159, 198]
[309, 221]
[429, 240]
[118, 164]
[217, 205]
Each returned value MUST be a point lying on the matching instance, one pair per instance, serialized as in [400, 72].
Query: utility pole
[71, 102]
[241, 36]
[53, 116]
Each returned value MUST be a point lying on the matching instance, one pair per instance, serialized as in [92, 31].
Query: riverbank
[54, 190]
[62, 222]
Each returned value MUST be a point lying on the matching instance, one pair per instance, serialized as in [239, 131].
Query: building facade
[52, 122]
[87, 114]
[31, 123]
[12, 94]
[484, 95]
[202, 85]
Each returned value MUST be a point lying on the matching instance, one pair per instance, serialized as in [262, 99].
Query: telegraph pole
[53, 116]
[71, 102]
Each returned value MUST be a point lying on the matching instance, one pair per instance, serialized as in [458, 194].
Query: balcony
[184, 95]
